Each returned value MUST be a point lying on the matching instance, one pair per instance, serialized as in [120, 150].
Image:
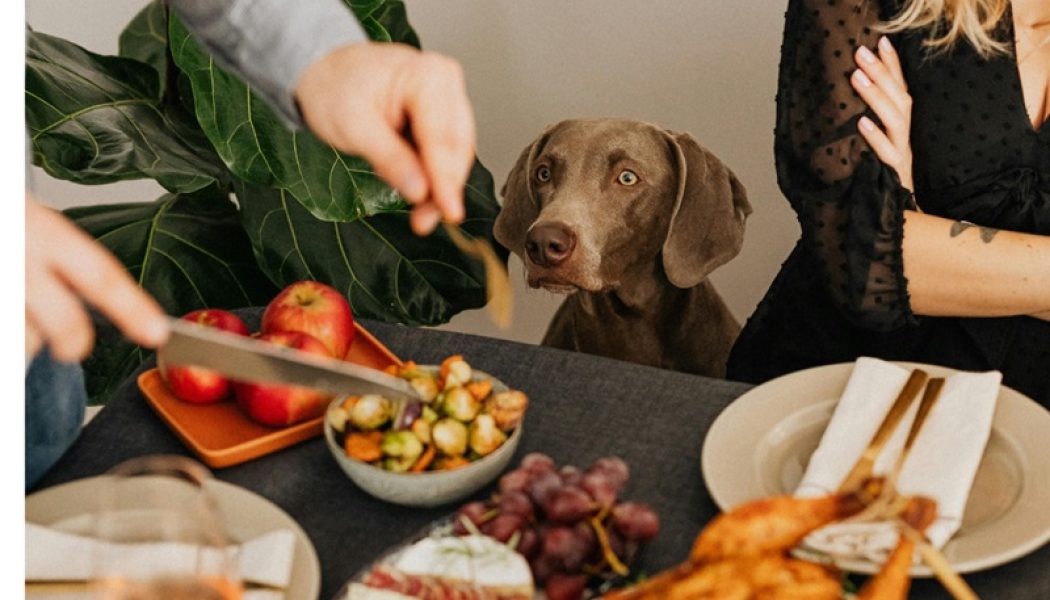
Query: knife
[248, 359]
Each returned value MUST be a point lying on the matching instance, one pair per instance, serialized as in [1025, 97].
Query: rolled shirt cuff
[269, 43]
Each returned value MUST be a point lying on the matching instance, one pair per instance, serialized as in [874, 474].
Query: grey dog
[628, 219]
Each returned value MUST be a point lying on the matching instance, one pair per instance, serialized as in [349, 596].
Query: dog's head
[591, 200]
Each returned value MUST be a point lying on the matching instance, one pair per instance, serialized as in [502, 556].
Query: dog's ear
[520, 208]
[707, 224]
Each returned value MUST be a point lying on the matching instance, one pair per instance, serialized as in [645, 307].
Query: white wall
[702, 66]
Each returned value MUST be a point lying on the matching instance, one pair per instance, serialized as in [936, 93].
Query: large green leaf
[98, 119]
[188, 250]
[257, 147]
[386, 272]
[145, 38]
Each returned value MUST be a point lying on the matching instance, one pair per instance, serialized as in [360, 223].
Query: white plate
[246, 515]
[761, 443]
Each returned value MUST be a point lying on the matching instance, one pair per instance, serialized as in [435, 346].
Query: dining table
[582, 407]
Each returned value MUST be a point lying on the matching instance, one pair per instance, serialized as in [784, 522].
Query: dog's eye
[627, 177]
[543, 173]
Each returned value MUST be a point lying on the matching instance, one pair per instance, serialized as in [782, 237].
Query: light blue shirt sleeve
[269, 43]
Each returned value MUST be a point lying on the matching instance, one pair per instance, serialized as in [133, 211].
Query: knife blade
[248, 359]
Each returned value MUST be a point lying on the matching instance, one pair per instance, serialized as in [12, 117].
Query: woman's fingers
[885, 77]
[897, 123]
[876, 138]
[889, 57]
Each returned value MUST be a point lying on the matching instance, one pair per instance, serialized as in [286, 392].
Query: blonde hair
[949, 21]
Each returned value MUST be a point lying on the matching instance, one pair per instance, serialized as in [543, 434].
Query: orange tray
[221, 435]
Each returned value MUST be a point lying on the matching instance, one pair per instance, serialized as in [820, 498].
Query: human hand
[361, 98]
[66, 268]
[880, 83]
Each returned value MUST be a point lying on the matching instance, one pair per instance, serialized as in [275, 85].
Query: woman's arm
[953, 268]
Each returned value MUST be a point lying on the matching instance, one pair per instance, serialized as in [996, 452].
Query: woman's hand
[880, 83]
[66, 269]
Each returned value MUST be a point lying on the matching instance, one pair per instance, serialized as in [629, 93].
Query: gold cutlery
[863, 467]
[929, 398]
[497, 283]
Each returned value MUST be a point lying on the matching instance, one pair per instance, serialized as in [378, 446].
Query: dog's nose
[550, 245]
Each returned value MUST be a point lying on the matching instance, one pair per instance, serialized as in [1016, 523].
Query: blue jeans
[55, 402]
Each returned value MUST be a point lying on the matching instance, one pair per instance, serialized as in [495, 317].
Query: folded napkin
[941, 465]
[53, 555]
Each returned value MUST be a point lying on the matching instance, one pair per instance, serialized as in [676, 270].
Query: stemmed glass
[159, 535]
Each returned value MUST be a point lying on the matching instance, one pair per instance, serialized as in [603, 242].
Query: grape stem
[603, 540]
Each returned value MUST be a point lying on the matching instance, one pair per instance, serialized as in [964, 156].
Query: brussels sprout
[337, 418]
[507, 408]
[429, 415]
[370, 412]
[460, 404]
[402, 449]
[485, 437]
[450, 436]
[410, 411]
[456, 372]
[422, 430]
[426, 386]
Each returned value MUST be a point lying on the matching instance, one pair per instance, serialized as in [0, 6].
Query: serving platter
[761, 443]
[220, 434]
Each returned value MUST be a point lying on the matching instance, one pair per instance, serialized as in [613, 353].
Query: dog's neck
[643, 289]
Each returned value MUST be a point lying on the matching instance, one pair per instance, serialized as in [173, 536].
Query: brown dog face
[593, 200]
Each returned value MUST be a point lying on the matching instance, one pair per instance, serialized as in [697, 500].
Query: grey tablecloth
[583, 407]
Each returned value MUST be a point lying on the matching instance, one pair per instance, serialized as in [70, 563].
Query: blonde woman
[911, 140]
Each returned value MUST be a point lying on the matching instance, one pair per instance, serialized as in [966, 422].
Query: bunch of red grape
[567, 523]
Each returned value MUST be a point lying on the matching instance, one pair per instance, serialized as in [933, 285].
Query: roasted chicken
[743, 554]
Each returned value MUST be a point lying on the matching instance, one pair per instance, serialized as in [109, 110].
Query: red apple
[315, 309]
[197, 384]
[280, 405]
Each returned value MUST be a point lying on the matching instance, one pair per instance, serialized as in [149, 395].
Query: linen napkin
[942, 463]
[53, 555]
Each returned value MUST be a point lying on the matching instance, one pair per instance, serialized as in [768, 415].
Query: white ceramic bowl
[429, 488]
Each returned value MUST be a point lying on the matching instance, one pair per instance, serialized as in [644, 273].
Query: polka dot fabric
[842, 291]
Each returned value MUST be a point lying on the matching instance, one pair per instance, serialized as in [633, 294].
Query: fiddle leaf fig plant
[251, 205]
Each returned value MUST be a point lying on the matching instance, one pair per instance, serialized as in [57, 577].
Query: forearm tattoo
[987, 233]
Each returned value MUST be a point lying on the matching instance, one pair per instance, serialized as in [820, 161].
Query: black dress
[842, 291]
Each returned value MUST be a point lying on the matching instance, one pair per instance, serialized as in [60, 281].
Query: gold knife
[864, 465]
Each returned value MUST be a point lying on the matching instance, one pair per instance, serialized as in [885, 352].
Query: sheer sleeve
[849, 204]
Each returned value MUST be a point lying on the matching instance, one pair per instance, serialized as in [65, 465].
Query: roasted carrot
[451, 462]
[364, 446]
[480, 389]
[424, 460]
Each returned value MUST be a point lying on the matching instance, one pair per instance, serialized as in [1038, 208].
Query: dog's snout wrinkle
[549, 245]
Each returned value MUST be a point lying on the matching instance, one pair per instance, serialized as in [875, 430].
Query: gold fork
[498, 290]
[862, 468]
